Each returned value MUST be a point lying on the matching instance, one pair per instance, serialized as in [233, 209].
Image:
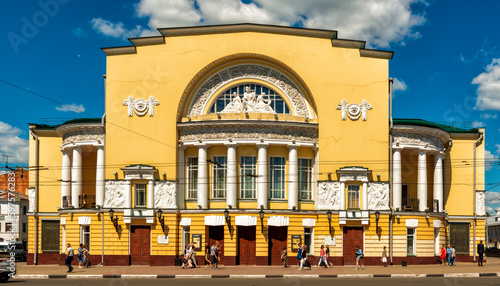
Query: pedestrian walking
[86, 257]
[213, 256]
[443, 254]
[299, 253]
[69, 257]
[217, 252]
[480, 252]
[359, 257]
[192, 256]
[186, 262]
[327, 253]
[80, 256]
[207, 254]
[453, 255]
[384, 257]
[448, 254]
[322, 257]
[304, 257]
[284, 257]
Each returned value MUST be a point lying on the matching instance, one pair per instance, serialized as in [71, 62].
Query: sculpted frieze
[480, 205]
[165, 195]
[115, 194]
[328, 195]
[417, 139]
[378, 196]
[83, 135]
[207, 90]
[31, 200]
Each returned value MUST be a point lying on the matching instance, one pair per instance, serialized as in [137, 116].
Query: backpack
[299, 254]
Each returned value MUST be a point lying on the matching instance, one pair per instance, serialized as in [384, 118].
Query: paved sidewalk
[460, 270]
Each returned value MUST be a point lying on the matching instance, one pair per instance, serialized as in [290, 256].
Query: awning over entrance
[246, 220]
[185, 221]
[214, 220]
[278, 221]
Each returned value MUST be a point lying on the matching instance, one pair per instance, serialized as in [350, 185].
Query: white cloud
[399, 85]
[12, 145]
[498, 148]
[71, 107]
[488, 91]
[379, 22]
[490, 159]
[79, 32]
[477, 124]
[488, 116]
[492, 200]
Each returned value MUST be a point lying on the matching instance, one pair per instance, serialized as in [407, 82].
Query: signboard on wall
[296, 240]
[460, 237]
[329, 240]
[50, 235]
[162, 239]
[196, 239]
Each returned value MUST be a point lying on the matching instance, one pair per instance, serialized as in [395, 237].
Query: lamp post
[161, 219]
[228, 219]
[329, 215]
[114, 220]
[377, 217]
[261, 215]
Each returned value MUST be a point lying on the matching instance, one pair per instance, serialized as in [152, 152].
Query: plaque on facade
[162, 239]
[196, 239]
[296, 240]
[50, 236]
[330, 240]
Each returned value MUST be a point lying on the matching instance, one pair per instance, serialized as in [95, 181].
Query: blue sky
[446, 63]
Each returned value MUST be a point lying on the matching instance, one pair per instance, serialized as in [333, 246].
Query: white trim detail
[412, 223]
[308, 222]
[214, 220]
[63, 221]
[278, 221]
[84, 220]
[185, 221]
[436, 223]
[246, 220]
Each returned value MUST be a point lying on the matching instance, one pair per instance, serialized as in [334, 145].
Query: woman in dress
[322, 257]
[443, 254]
[81, 256]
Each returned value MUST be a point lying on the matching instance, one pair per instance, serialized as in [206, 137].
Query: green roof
[72, 121]
[425, 123]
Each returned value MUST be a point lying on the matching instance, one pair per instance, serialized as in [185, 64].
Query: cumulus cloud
[488, 116]
[379, 22]
[71, 108]
[490, 159]
[13, 145]
[488, 90]
[492, 201]
[399, 85]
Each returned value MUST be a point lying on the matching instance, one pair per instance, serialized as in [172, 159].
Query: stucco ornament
[480, 207]
[165, 195]
[115, 194]
[353, 110]
[378, 196]
[32, 201]
[140, 106]
[328, 195]
[249, 103]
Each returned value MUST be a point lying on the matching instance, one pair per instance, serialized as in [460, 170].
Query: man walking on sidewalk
[480, 251]
[69, 257]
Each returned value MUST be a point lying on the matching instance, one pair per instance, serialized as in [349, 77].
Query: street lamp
[261, 215]
[377, 217]
[329, 215]
[227, 218]
[161, 219]
[114, 220]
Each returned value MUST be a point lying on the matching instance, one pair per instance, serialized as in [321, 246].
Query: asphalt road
[486, 281]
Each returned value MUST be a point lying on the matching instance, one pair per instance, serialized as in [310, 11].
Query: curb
[132, 276]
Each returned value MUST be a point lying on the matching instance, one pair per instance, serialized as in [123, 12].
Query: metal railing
[84, 202]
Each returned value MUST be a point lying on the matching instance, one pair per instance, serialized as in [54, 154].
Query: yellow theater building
[258, 137]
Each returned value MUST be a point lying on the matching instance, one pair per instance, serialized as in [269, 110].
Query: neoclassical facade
[259, 137]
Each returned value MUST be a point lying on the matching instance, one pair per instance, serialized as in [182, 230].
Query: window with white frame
[186, 237]
[192, 176]
[8, 226]
[353, 196]
[305, 179]
[85, 236]
[219, 167]
[308, 239]
[277, 170]
[411, 241]
[248, 171]
[436, 240]
[140, 195]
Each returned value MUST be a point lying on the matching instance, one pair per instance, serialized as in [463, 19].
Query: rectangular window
[305, 179]
[25, 227]
[411, 240]
[140, 195]
[186, 235]
[353, 196]
[192, 176]
[308, 239]
[277, 168]
[8, 227]
[248, 171]
[436, 240]
[219, 167]
[25, 210]
[85, 236]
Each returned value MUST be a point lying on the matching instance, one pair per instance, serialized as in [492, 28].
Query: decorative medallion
[140, 106]
[353, 110]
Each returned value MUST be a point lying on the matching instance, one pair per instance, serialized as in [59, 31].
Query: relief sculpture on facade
[115, 194]
[418, 139]
[480, 206]
[328, 195]
[353, 110]
[32, 200]
[378, 196]
[140, 106]
[165, 195]
[249, 103]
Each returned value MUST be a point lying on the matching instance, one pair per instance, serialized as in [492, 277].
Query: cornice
[63, 129]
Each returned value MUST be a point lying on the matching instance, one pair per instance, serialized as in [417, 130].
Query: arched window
[250, 98]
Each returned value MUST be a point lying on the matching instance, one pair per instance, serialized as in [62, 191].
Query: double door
[246, 245]
[140, 244]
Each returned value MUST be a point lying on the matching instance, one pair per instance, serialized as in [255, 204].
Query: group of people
[83, 256]
[189, 259]
[448, 254]
[212, 254]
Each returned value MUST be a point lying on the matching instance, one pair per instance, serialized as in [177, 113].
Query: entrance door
[277, 239]
[352, 237]
[216, 233]
[246, 241]
[140, 243]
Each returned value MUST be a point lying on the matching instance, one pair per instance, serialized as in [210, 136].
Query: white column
[365, 196]
[342, 196]
[76, 177]
[202, 175]
[128, 196]
[181, 169]
[396, 179]
[422, 180]
[262, 180]
[65, 178]
[438, 181]
[151, 194]
[293, 177]
[232, 173]
[99, 177]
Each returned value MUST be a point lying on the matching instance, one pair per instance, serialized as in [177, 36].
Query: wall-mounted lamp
[116, 175]
[276, 116]
[261, 215]
[114, 220]
[161, 219]
[377, 217]
[227, 218]
[329, 216]
[164, 176]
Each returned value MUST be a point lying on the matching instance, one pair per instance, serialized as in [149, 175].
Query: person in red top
[443, 254]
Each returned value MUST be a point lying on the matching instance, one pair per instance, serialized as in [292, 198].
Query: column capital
[231, 144]
[397, 148]
[181, 146]
[293, 146]
[202, 145]
[423, 151]
[262, 145]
